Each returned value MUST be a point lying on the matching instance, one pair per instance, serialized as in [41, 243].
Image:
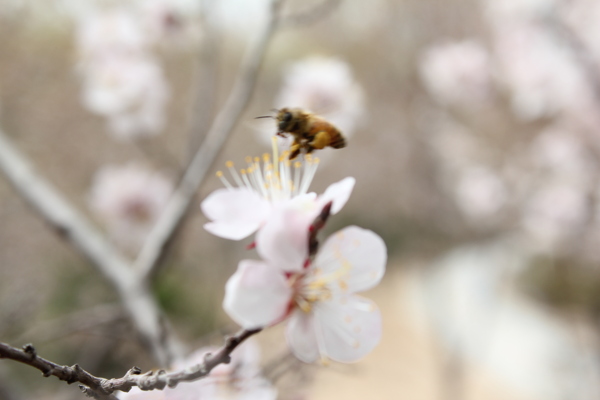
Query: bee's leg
[319, 141]
[294, 150]
[281, 134]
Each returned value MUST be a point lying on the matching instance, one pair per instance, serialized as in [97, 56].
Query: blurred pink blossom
[326, 319]
[457, 73]
[129, 199]
[241, 379]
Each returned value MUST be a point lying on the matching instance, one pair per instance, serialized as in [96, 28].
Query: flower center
[315, 286]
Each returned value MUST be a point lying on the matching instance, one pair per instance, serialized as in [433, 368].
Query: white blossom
[239, 209]
[327, 320]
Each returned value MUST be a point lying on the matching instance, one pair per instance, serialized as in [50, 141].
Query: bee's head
[284, 118]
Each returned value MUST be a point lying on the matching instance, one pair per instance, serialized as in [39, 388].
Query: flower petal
[338, 193]
[283, 240]
[231, 230]
[257, 295]
[347, 327]
[301, 336]
[357, 255]
[235, 213]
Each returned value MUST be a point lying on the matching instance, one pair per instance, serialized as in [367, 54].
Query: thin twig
[101, 388]
[236, 103]
[135, 294]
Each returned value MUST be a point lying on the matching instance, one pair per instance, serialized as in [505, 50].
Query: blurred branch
[63, 218]
[311, 16]
[204, 84]
[171, 218]
[79, 321]
[74, 227]
[100, 388]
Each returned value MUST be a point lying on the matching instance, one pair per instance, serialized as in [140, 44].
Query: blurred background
[474, 136]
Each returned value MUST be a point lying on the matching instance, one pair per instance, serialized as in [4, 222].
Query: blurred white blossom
[457, 73]
[172, 24]
[105, 31]
[504, 10]
[562, 154]
[583, 18]
[130, 92]
[541, 74]
[129, 199]
[122, 79]
[241, 379]
[480, 193]
[553, 213]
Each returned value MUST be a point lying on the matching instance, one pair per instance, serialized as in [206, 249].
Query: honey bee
[309, 130]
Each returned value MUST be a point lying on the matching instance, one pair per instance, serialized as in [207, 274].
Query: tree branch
[135, 294]
[224, 123]
[101, 388]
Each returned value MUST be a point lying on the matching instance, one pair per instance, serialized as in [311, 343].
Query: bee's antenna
[265, 116]
[274, 110]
